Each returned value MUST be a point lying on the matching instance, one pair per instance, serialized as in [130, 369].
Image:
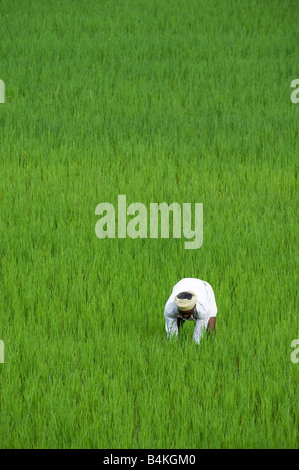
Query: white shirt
[204, 309]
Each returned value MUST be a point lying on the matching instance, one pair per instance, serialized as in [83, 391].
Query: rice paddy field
[161, 101]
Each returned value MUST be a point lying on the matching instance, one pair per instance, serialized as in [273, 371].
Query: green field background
[163, 101]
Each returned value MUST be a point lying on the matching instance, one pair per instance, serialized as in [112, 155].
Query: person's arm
[171, 327]
[211, 329]
[171, 324]
[198, 330]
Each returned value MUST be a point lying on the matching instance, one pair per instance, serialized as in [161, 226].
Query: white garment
[204, 309]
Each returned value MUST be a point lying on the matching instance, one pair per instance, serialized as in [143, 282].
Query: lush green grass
[174, 101]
